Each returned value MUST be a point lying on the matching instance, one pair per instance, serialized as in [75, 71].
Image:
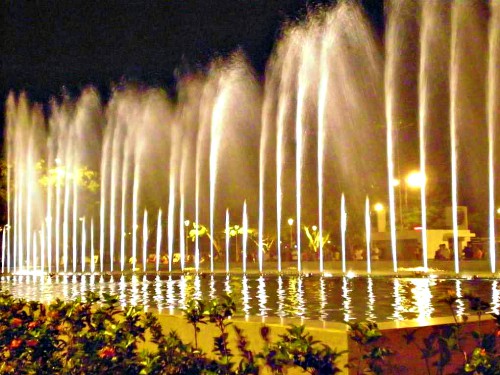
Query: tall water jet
[228, 236]
[42, 249]
[102, 207]
[492, 115]
[284, 99]
[343, 228]
[135, 209]
[4, 244]
[322, 107]
[145, 241]
[427, 30]
[75, 214]
[245, 236]
[113, 195]
[264, 148]
[171, 220]
[215, 139]
[92, 247]
[303, 83]
[368, 232]
[158, 243]
[453, 130]
[123, 216]
[83, 244]
[389, 86]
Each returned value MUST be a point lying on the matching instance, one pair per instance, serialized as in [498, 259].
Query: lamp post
[414, 180]
[290, 223]
[381, 220]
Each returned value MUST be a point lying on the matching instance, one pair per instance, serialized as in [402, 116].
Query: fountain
[319, 142]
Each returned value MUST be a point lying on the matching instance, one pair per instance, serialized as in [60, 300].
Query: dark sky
[47, 44]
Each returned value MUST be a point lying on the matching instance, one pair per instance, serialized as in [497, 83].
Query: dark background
[47, 45]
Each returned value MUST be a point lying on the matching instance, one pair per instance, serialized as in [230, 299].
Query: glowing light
[379, 207]
[416, 179]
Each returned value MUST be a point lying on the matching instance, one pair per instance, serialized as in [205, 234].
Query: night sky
[49, 44]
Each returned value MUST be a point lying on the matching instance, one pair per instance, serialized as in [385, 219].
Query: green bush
[97, 336]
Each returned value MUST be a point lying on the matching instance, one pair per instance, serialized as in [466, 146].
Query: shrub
[96, 335]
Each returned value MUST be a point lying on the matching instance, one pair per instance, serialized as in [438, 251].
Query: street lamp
[415, 179]
[381, 220]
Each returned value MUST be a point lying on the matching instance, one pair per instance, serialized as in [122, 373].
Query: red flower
[31, 343]
[107, 352]
[16, 343]
[16, 322]
[32, 325]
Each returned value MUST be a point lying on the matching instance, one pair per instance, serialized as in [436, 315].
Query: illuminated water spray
[390, 99]
[123, 228]
[454, 73]
[215, 139]
[228, 236]
[322, 106]
[135, 213]
[43, 251]
[145, 241]
[83, 244]
[158, 243]
[92, 246]
[245, 236]
[343, 228]
[427, 31]
[492, 100]
[368, 231]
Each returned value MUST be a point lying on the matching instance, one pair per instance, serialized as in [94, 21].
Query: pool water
[308, 297]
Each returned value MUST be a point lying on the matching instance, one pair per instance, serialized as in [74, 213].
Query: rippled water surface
[314, 297]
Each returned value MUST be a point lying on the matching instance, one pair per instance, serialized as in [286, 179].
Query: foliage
[98, 336]
[438, 347]
[298, 348]
[315, 241]
[86, 179]
[368, 337]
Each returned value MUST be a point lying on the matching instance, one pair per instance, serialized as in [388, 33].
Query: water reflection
[121, 288]
[370, 311]
[213, 291]
[495, 297]
[227, 285]
[398, 301]
[262, 296]
[422, 298]
[281, 298]
[245, 295]
[346, 297]
[171, 301]
[145, 293]
[158, 296]
[324, 298]
[460, 306]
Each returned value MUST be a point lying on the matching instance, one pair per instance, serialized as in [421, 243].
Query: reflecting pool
[307, 297]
